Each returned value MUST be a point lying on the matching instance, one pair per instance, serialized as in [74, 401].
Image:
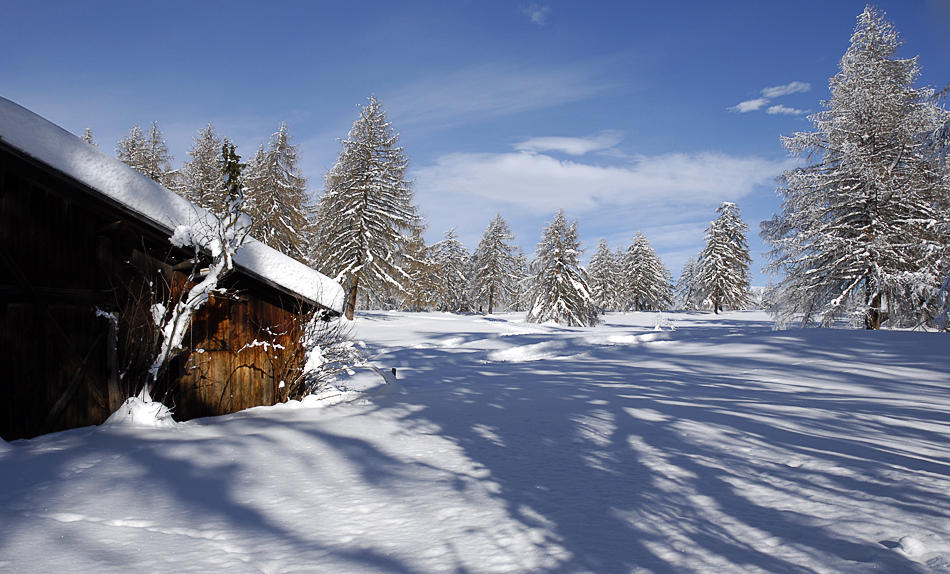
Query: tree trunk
[874, 317]
[351, 303]
[491, 297]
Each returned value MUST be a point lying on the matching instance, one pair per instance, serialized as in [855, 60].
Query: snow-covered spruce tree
[366, 213]
[277, 199]
[87, 137]
[858, 230]
[936, 147]
[647, 284]
[724, 262]
[233, 169]
[148, 155]
[202, 178]
[417, 261]
[603, 276]
[559, 291]
[453, 267]
[519, 299]
[688, 288]
[495, 272]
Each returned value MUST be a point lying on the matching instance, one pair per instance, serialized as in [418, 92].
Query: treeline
[366, 232]
[862, 238]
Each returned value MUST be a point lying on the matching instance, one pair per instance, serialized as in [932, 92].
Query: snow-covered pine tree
[202, 178]
[148, 155]
[452, 263]
[858, 229]
[647, 284]
[519, 299]
[418, 263]
[233, 169]
[724, 262]
[366, 212]
[495, 274]
[936, 147]
[559, 291]
[688, 289]
[277, 199]
[87, 137]
[603, 275]
[130, 150]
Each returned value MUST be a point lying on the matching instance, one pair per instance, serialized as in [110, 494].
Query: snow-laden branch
[221, 238]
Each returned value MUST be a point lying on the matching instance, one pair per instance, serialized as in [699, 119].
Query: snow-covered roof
[56, 147]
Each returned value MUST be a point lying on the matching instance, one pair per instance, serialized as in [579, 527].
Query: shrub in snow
[142, 411]
[222, 238]
[329, 352]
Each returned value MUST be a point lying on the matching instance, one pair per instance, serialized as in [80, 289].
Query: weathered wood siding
[242, 347]
[51, 283]
[65, 253]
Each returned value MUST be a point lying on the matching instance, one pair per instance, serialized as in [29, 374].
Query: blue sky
[629, 115]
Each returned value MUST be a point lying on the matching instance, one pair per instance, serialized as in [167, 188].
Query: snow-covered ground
[720, 447]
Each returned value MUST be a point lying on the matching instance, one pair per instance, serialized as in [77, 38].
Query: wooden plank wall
[63, 257]
[241, 349]
[50, 287]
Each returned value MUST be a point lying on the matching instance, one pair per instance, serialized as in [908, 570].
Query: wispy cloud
[770, 93]
[793, 88]
[785, 110]
[536, 13]
[540, 183]
[750, 105]
[655, 194]
[572, 146]
[488, 91]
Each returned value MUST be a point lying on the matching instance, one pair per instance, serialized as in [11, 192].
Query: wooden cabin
[85, 254]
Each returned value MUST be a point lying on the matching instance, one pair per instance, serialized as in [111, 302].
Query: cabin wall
[68, 264]
[241, 350]
[52, 342]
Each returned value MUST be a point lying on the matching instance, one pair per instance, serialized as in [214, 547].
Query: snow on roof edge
[43, 140]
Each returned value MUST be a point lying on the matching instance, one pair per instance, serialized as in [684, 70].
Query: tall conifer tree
[724, 262]
[858, 230]
[495, 265]
[559, 290]
[277, 196]
[366, 213]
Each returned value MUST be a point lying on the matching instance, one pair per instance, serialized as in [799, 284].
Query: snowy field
[720, 447]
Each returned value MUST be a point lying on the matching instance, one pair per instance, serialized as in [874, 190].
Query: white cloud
[572, 146]
[750, 105]
[785, 110]
[537, 14]
[793, 88]
[672, 198]
[770, 93]
[540, 184]
[488, 91]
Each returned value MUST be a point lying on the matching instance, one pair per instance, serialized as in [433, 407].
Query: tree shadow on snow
[636, 455]
[177, 490]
